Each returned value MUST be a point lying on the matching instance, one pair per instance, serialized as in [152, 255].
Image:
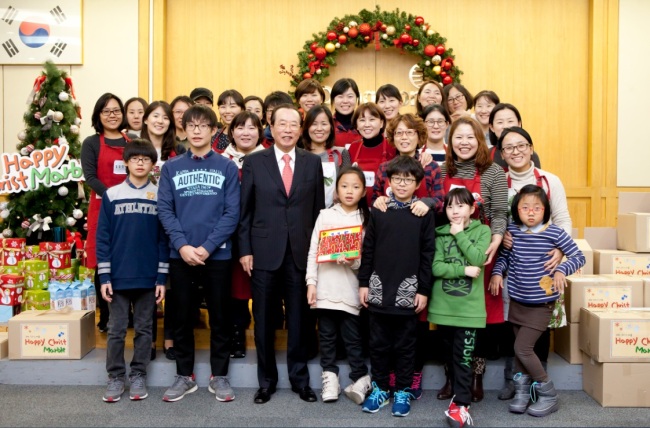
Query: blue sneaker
[402, 402]
[378, 398]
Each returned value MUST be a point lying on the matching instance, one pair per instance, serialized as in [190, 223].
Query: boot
[544, 399]
[522, 393]
[508, 390]
[331, 388]
[447, 391]
[476, 387]
[238, 342]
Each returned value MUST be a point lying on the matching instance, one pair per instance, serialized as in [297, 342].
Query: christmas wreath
[388, 29]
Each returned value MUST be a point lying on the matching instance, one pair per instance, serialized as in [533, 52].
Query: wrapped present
[91, 299]
[34, 252]
[11, 289]
[75, 263]
[86, 273]
[79, 296]
[6, 312]
[57, 295]
[13, 251]
[38, 300]
[15, 270]
[37, 274]
[58, 254]
[62, 275]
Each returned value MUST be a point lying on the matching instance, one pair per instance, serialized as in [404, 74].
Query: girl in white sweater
[333, 288]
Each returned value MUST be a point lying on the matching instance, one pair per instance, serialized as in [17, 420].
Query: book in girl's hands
[334, 243]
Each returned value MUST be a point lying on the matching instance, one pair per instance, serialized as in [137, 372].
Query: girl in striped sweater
[533, 291]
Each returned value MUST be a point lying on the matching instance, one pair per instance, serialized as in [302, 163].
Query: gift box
[57, 295]
[13, 251]
[86, 273]
[11, 289]
[38, 300]
[58, 254]
[33, 252]
[6, 312]
[91, 296]
[37, 274]
[62, 275]
[15, 270]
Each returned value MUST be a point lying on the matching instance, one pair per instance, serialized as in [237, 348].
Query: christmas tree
[44, 178]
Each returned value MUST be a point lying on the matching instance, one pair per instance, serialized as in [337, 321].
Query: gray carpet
[79, 406]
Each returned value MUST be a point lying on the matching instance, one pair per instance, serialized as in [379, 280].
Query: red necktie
[287, 174]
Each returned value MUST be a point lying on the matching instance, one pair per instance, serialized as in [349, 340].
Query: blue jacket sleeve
[104, 231]
[227, 224]
[163, 256]
[167, 211]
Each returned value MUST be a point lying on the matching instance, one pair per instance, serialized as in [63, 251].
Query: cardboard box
[566, 343]
[588, 268]
[51, 335]
[4, 345]
[602, 292]
[609, 260]
[646, 293]
[620, 336]
[616, 384]
[633, 225]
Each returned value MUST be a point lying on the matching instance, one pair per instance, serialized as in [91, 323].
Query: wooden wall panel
[550, 58]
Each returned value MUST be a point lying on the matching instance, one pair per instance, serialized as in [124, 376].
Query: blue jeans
[143, 301]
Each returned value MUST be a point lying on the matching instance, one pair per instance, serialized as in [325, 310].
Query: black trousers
[460, 343]
[333, 324]
[392, 339]
[266, 286]
[214, 277]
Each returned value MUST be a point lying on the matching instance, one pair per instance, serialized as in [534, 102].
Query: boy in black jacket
[395, 281]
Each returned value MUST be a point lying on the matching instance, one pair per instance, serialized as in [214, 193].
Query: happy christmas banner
[33, 31]
[48, 167]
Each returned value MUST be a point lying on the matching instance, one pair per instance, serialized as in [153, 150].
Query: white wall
[633, 150]
[110, 64]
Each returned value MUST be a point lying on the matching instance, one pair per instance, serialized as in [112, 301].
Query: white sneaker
[331, 388]
[358, 390]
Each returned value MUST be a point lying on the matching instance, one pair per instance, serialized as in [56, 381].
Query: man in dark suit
[282, 194]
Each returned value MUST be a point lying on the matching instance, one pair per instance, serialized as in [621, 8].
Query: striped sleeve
[494, 190]
[574, 257]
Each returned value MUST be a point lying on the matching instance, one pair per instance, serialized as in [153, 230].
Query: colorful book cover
[334, 243]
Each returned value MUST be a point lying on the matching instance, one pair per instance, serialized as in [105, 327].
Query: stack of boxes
[12, 281]
[609, 312]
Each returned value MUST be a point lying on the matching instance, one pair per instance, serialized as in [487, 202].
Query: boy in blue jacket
[199, 209]
[132, 263]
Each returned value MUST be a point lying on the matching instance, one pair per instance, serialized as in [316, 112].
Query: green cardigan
[458, 300]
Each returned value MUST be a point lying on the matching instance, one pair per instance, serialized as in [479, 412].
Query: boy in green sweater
[457, 302]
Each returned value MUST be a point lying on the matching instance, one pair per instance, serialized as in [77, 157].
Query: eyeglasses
[202, 126]
[521, 147]
[402, 180]
[291, 126]
[456, 99]
[431, 123]
[108, 112]
[145, 161]
[536, 209]
[408, 132]
[178, 112]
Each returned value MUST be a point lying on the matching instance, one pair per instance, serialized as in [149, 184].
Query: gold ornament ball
[437, 69]
[330, 47]
[74, 129]
[436, 59]
[22, 135]
[346, 29]
[390, 30]
[430, 33]
[384, 36]
[57, 116]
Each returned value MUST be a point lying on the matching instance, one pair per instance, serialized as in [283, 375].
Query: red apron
[493, 304]
[539, 181]
[106, 163]
[368, 160]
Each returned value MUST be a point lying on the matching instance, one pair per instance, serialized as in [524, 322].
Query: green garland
[379, 29]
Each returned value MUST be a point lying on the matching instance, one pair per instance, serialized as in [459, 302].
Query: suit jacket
[268, 216]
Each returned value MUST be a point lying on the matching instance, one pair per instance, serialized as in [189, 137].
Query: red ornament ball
[407, 27]
[307, 76]
[320, 52]
[383, 27]
[443, 74]
[447, 80]
[440, 49]
[405, 39]
[429, 50]
[396, 42]
[310, 56]
[419, 20]
[354, 32]
[416, 43]
[331, 35]
[366, 38]
[313, 46]
[365, 29]
[447, 64]
[343, 39]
